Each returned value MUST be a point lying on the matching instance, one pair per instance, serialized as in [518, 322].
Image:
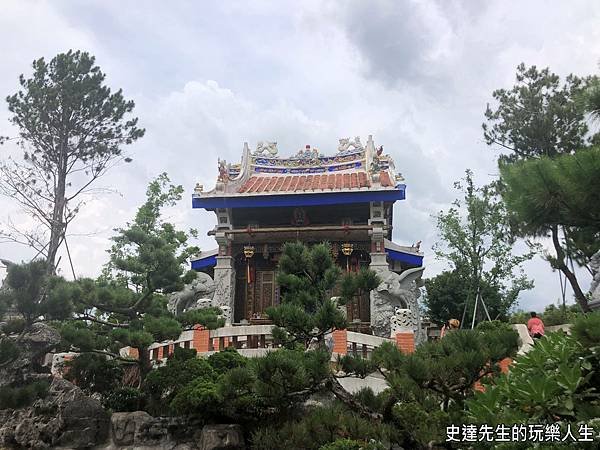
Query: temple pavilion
[345, 198]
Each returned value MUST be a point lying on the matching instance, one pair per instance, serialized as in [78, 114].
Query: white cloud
[416, 75]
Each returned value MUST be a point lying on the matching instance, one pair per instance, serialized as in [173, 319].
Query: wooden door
[265, 290]
[260, 294]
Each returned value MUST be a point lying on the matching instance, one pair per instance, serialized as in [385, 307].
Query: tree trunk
[57, 227]
[348, 399]
[562, 266]
[145, 365]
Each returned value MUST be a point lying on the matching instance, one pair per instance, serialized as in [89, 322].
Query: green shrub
[93, 372]
[319, 427]
[227, 359]
[162, 385]
[124, 399]
[8, 350]
[22, 396]
[551, 382]
[586, 329]
[350, 444]
[14, 326]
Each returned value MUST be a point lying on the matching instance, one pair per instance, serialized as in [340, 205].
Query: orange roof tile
[296, 183]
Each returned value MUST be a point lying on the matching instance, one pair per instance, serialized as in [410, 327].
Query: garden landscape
[194, 270]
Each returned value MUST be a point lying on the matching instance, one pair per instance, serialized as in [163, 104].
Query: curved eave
[296, 199]
[206, 259]
[203, 263]
[407, 258]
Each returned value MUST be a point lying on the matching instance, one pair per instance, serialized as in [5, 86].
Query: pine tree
[72, 130]
[126, 306]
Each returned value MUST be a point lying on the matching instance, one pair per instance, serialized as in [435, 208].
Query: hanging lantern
[347, 248]
[248, 251]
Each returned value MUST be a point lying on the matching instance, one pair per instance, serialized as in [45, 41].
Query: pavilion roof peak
[262, 171]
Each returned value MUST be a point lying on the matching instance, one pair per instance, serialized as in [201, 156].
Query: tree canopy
[548, 196]
[538, 116]
[476, 240]
[72, 129]
[127, 304]
[448, 292]
[307, 277]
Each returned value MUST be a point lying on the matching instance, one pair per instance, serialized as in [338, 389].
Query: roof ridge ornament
[346, 143]
[266, 147]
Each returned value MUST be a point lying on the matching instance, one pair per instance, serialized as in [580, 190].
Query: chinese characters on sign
[519, 433]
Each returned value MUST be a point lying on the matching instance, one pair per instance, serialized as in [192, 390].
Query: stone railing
[257, 340]
[360, 344]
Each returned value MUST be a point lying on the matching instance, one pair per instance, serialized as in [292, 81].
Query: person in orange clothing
[535, 326]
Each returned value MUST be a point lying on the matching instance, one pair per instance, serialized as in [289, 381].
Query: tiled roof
[318, 182]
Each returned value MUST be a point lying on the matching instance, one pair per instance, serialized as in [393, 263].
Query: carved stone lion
[198, 294]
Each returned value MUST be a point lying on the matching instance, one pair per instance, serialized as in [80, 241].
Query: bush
[14, 326]
[553, 382]
[93, 373]
[226, 360]
[586, 329]
[124, 399]
[8, 351]
[163, 384]
[20, 397]
[349, 444]
[319, 427]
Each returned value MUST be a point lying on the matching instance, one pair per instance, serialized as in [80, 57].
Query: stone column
[224, 296]
[379, 262]
[379, 265]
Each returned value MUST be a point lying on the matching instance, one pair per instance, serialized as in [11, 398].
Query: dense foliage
[558, 198]
[127, 305]
[538, 116]
[446, 294]
[556, 381]
[35, 295]
[476, 239]
[307, 277]
[332, 428]
[14, 397]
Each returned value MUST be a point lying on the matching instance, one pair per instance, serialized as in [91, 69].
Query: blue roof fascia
[202, 263]
[413, 260]
[312, 199]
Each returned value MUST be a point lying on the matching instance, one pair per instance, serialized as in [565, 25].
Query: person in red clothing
[535, 326]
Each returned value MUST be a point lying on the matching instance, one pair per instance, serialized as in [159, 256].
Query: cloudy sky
[207, 76]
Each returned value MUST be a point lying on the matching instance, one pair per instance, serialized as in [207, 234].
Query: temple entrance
[359, 309]
[254, 296]
[260, 294]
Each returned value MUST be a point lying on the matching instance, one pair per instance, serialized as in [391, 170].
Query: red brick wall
[201, 339]
[340, 342]
[406, 341]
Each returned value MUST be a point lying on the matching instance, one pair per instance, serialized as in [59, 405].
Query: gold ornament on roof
[347, 248]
